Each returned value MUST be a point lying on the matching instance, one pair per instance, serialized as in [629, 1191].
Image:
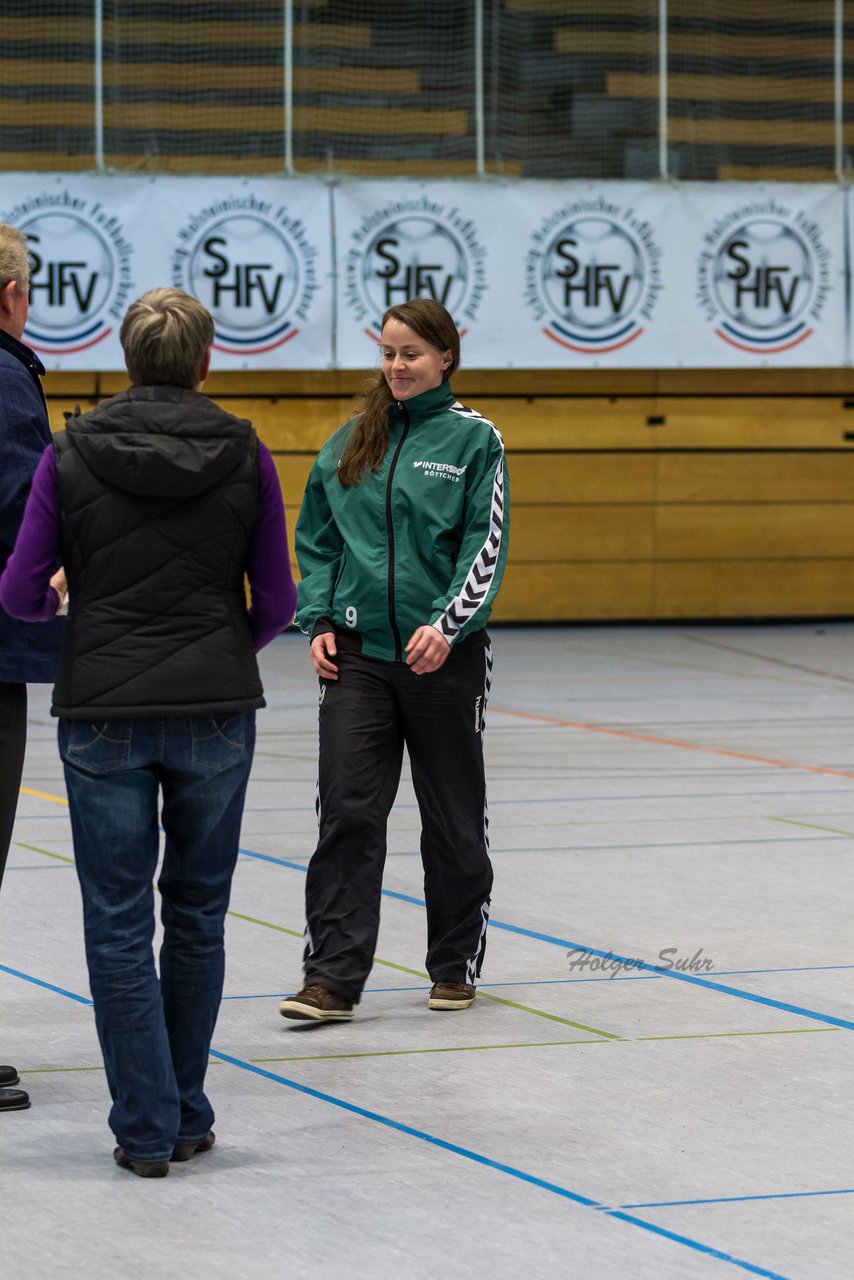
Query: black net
[529, 88]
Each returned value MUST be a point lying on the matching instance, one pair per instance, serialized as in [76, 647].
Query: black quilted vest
[158, 491]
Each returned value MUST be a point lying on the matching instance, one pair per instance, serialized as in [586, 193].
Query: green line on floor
[265, 924]
[396, 1053]
[720, 1035]
[553, 1017]
[19, 844]
[419, 973]
[814, 826]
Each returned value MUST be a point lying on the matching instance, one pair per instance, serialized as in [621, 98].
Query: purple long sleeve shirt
[26, 593]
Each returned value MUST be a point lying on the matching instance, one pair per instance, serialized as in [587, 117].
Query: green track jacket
[422, 541]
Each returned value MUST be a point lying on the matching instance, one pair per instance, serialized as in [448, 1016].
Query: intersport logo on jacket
[441, 470]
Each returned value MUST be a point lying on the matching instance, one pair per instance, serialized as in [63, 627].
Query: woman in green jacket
[401, 541]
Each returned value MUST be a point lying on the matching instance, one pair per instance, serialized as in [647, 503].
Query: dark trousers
[367, 716]
[13, 743]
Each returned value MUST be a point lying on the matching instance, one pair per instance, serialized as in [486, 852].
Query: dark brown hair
[368, 443]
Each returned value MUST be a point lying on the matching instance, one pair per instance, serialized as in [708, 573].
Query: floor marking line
[44, 795]
[485, 1161]
[400, 1053]
[549, 1044]
[443, 1144]
[764, 657]
[774, 1195]
[693, 1244]
[799, 1010]
[634, 963]
[48, 986]
[669, 742]
[722, 1035]
[417, 973]
[814, 826]
[33, 848]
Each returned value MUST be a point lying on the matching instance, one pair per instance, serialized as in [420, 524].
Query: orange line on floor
[669, 742]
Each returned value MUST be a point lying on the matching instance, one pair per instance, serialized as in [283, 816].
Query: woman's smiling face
[410, 364]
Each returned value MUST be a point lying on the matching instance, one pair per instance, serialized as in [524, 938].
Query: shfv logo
[80, 271]
[592, 276]
[764, 278]
[415, 248]
[253, 266]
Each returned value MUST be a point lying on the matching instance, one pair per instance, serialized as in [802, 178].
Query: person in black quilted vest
[159, 505]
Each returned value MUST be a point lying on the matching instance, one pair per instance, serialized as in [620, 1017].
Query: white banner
[297, 273]
[255, 251]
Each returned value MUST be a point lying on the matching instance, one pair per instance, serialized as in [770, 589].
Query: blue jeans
[155, 1033]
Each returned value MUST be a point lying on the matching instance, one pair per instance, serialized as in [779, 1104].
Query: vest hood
[163, 442]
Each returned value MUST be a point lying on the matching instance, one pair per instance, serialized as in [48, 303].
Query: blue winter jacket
[28, 651]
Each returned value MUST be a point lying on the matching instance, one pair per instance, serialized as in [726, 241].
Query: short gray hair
[14, 258]
[165, 336]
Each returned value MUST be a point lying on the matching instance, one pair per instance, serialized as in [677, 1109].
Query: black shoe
[145, 1168]
[8, 1075]
[186, 1150]
[14, 1100]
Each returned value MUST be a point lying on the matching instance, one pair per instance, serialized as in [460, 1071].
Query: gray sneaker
[317, 1004]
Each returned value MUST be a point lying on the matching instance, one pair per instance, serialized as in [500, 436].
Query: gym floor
[655, 1079]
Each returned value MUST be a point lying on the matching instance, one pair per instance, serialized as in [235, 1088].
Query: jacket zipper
[398, 644]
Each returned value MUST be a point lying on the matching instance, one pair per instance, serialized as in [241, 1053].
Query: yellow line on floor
[44, 795]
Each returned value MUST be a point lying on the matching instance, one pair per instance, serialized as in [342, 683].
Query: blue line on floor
[49, 986]
[778, 1195]
[451, 1147]
[558, 982]
[692, 1244]
[633, 962]
[467, 1154]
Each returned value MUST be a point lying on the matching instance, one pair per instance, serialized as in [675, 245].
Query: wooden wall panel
[754, 589]
[635, 493]
[568, 534]
[576, 592]
[743, 531]
[550, 478]
[759, 476]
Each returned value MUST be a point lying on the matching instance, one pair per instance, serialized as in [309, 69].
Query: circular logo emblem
[763, 279]
[80, 277]
[414, 249]
[254, 270]
[593, 277]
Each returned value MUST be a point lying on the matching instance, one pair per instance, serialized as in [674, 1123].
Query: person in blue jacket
[28, 653]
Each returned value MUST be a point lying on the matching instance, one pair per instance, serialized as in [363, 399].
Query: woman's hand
[323, 649]
[427, 650]
[59, 582]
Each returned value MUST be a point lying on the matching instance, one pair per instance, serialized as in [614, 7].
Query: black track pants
[13, 742]
[367, 715]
